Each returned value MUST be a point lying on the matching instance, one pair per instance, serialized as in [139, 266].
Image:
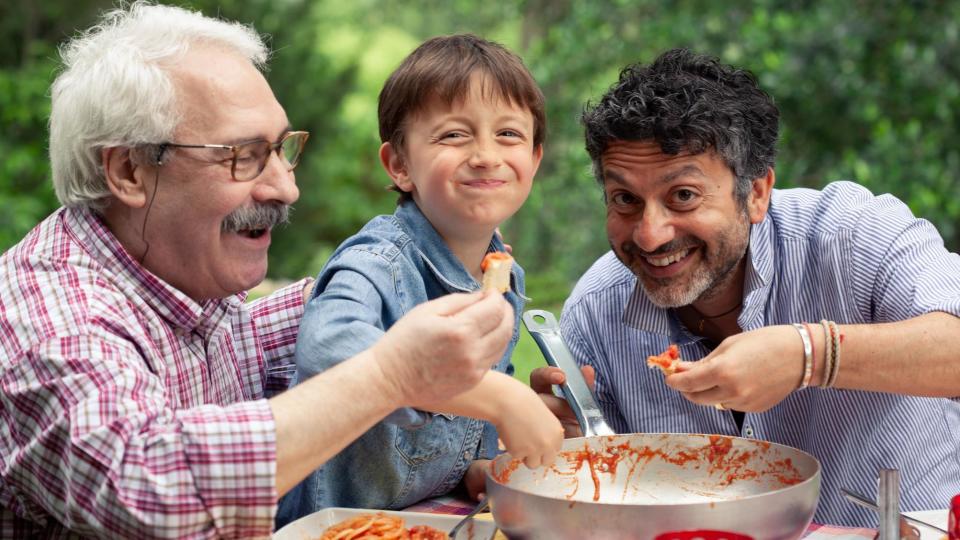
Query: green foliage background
[869, 91]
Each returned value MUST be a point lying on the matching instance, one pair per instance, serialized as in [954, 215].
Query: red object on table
[702, 535]
[953, 522]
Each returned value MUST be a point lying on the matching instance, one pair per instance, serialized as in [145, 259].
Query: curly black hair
[692, 102]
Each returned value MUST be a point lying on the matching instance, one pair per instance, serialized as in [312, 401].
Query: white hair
[115, 89]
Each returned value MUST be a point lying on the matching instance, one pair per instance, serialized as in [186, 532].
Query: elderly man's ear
[126, 175]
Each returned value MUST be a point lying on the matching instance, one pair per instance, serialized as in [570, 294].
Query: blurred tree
[30, 32]
[869, 91]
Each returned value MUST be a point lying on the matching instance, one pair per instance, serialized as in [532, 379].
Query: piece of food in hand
[667, 361]
[496, 271]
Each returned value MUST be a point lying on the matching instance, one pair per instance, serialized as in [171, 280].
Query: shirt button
[466, 455]
[748, 431]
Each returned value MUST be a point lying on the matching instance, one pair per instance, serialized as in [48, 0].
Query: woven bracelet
[827, 354]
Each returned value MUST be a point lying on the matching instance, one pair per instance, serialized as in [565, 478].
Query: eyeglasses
[250, 158]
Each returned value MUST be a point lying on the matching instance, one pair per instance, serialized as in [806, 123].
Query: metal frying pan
[639, 486]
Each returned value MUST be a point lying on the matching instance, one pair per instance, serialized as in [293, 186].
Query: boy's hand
[475, 480]
[444, 347]
[529, 431]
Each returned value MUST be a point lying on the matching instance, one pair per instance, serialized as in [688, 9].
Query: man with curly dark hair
[824, 320]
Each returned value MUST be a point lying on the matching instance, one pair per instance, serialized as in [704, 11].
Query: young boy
[462, 124]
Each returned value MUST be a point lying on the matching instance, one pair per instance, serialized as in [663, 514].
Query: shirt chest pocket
[441, 436]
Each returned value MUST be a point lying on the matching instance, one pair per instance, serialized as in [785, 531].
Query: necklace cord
[704, 318]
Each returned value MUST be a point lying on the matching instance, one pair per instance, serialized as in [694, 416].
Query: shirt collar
[437, 255]
[759, 273]
[642, 314]
[180, 310]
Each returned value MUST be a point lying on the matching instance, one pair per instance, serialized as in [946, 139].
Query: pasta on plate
[380, 526]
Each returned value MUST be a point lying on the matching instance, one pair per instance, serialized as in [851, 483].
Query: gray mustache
[257, 216]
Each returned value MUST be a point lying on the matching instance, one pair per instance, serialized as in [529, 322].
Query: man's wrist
[385, 381]
[808, 359]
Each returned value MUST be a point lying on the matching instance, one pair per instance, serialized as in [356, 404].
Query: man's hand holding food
[445, 346]
[749, 372]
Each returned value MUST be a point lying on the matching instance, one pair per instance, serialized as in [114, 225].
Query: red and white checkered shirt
[126, 408]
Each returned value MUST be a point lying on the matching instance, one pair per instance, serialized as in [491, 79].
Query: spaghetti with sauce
[380, 526]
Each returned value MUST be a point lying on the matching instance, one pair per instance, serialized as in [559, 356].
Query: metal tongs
[544, 329]
[858, 499]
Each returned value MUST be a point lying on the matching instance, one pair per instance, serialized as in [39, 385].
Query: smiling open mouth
[669, 259]
[256, 220]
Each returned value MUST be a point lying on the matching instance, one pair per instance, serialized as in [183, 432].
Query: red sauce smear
[718, 456]
[494, 256]
[503, 476]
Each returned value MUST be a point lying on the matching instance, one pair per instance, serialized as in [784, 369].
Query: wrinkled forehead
[624, 154]
[645, 161]
[223, 97]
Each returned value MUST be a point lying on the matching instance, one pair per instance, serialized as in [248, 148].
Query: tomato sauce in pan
[718, 455]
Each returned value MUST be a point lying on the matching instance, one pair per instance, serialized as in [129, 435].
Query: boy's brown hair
[442, 67]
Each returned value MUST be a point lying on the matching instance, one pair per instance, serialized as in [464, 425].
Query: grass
[526, 357]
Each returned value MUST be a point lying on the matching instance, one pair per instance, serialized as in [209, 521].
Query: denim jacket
[375, 277]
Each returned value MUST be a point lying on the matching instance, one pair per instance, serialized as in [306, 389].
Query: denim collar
[642, 314]
[436, 254]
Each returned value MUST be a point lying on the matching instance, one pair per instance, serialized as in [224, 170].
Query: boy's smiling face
[470, 165]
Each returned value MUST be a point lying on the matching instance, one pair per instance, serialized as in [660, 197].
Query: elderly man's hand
[749, 372]
[542, 381]
[445, 346]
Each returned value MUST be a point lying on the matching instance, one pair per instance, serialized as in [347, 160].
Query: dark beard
[712, 277]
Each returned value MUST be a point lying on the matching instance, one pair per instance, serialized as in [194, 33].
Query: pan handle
[543, 326]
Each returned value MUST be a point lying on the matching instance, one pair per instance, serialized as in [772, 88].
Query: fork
[469, 517]
[858, 499]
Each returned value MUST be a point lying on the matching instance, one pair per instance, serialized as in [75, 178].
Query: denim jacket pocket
[440, 436]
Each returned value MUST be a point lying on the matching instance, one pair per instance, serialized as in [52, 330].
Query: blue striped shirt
[841, 254]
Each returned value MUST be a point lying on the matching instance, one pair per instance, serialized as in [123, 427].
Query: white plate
[933, 517]
[312, 526]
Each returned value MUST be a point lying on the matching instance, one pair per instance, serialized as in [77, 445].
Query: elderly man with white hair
[138, 392]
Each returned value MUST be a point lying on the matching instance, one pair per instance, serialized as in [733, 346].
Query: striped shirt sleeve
[915, 274]
[578, 341]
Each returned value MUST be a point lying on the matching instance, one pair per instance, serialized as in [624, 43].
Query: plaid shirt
[126, 408]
